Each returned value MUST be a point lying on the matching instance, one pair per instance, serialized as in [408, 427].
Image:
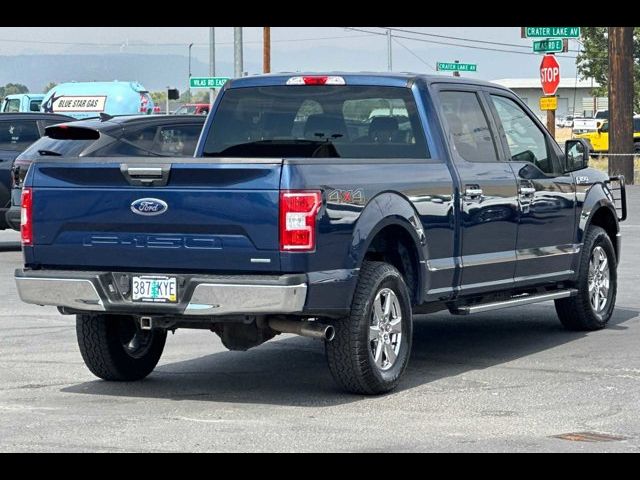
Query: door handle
[472, 192]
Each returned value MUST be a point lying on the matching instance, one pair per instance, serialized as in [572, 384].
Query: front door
[546, 195]
[488, 193]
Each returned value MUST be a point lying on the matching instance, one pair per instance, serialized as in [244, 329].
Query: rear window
[156, 140]
[17, 135]
[317, 121]
[47, 146]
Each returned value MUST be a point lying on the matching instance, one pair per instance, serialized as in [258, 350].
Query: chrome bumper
[201, 295]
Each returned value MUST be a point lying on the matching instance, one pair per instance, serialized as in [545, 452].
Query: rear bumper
[200, 295]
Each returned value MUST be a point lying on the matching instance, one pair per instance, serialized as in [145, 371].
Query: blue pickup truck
[332, 206]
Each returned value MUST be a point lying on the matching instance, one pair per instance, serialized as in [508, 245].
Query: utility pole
[189, 79]
[237, 51]
[389, 51]
[621, 101]
[212, 60]
[456, 73]
[266, 50]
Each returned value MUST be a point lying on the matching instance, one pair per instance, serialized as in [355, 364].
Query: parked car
[88, 99]
[22, 102]
[17, 132]
[127, 136]
[193, 109]
[599, 139]
[286, 223]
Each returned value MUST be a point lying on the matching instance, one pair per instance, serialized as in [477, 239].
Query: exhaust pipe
[303, 328]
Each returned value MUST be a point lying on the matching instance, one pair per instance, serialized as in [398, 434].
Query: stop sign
[549, 74]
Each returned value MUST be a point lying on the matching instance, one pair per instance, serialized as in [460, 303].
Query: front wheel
[115, 348]
[371, 347]
[592, 307]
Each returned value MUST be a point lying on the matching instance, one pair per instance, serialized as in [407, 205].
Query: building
[574, 98]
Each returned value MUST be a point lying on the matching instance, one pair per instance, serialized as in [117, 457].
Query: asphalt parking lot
[510, 380]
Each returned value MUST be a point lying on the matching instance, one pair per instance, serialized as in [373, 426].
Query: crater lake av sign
[551, 32]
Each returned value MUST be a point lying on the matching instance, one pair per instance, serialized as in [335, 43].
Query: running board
[513, 302]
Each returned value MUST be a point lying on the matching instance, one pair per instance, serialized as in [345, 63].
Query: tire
[579, 313]
[351, 353]
[114, 348]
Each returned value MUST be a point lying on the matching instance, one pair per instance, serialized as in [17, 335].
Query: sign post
[550, 80]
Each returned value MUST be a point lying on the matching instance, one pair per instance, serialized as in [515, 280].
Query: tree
[49, 86]
[593, 60]
[12, 89]
[159, 98]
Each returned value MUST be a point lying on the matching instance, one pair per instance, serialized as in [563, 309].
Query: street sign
[456, 67]
[207, 82]
[551, 32]
[548, 103]
[549, 74]
[551, 45]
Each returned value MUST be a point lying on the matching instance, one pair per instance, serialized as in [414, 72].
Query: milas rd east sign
[207, 82]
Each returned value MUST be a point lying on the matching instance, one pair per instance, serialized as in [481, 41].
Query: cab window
[526, 142]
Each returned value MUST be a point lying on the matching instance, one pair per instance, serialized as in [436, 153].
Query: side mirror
[576, 154]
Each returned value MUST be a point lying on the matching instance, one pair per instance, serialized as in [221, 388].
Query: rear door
[488, 193]
[546, 195]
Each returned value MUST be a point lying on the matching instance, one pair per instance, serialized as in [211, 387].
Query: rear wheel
[371, 347]
[115, 348]
[593, 305]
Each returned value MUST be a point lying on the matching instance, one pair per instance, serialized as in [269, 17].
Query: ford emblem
[149, 206]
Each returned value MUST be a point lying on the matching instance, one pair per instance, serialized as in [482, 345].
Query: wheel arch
[390, 230]
[598, 210]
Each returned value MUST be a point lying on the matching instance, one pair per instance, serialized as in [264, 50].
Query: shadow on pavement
[293, 371]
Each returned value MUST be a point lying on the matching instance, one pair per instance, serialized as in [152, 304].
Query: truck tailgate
[219, 216]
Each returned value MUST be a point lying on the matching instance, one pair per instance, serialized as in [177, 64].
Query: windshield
[317, 121]
[186, 109]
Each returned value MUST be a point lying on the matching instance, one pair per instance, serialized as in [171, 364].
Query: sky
[303, 48]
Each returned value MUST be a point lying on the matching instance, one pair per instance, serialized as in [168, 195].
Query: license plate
[154, 289]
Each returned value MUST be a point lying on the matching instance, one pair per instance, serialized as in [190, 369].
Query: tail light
[298, 219]
[26, 217]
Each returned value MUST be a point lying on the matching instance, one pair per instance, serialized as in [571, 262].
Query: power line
[456, 44]
[504, 44]
[412, 53]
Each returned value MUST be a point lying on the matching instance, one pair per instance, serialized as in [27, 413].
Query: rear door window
[317, 121]
[18, 135]
[468, 126]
